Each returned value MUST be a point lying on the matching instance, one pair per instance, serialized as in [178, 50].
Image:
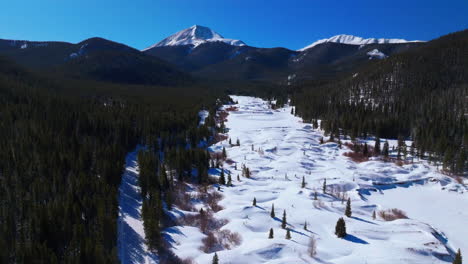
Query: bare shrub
[210, 243]
[318, 204]
[229, 239]
[188, 261]
[312, 247]
[232, 109]
[356, 156]
[182, 199]
[219, 137]
[212, 200]
[392, 214]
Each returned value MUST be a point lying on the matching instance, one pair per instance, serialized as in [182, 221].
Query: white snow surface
[354, 40]
[195, 35]
[131, 235]
[203, 114]
[376, 54]
[285, 150]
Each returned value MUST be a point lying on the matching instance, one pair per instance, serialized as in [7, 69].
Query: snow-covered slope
[280, 149]
[353, 40]
[195, 36]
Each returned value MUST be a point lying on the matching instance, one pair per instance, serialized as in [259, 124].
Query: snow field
[285, 150]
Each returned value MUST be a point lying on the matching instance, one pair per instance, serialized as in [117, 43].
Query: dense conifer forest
[63, 148]
[419, 94]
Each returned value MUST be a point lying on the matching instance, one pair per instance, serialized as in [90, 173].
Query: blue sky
[264, 23]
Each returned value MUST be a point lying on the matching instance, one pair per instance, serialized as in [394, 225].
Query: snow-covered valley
[280, 150]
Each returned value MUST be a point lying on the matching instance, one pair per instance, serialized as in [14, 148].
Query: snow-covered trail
[131, 235]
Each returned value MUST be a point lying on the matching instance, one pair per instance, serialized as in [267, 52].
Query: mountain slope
[194, 36]
[354, 40]
[96, 59]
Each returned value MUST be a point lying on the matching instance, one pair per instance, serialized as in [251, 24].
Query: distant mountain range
[204, 54]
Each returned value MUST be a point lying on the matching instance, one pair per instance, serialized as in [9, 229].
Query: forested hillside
[419, 94]
[63, 147]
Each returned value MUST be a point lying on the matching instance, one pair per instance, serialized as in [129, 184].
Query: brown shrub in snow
[210, 243]
[229, 239]
[356, 156]
[232, 109]
[392, 214]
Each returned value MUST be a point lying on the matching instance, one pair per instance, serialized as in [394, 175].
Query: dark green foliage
[458, 258]
[377, 146]
[340, 228]
[63, 149]
[270, 234]
[272, 213]
[222, 179]
[215, 259]
[348, 211]
[288, 234]
[254, 203]
[305, 225]
[303, 184]
[283, 220]
[324, 187]
[224, 153]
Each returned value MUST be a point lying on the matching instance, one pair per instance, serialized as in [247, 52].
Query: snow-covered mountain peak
[354, 40]
[195, 35]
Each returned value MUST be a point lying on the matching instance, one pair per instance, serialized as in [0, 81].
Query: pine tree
[321, 140]
[272, 213]
[283, 221]
[324, 187]
[238, 142]
[215, 259]
[315, 196]
[340, 228]
[458, 258]
[386, 149]
[229, 183]
[365, 151]
[224, 153]
[303, 182]
[222, 179]
[230, 143]
[377, 146]
[348, 212]
[305, 225]
[254, 203]
[373, 215]
[288, 234]
[270, 235]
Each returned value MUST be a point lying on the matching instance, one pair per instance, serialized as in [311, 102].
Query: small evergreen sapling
[348, 211]
[303, 182]
[340, 228]
[458, 258]
[270, 235]
[215, 259]
[222, 179]
[254, 203]
[324, 187]
[283, 221]
[305, 225]
[272, 213]
[288, 234]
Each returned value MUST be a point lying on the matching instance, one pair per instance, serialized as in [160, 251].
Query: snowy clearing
[284, 150]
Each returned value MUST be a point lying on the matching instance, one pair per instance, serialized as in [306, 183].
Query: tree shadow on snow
[363, 220]
[355, 239]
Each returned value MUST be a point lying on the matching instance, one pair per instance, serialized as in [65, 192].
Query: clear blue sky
[264, 23]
